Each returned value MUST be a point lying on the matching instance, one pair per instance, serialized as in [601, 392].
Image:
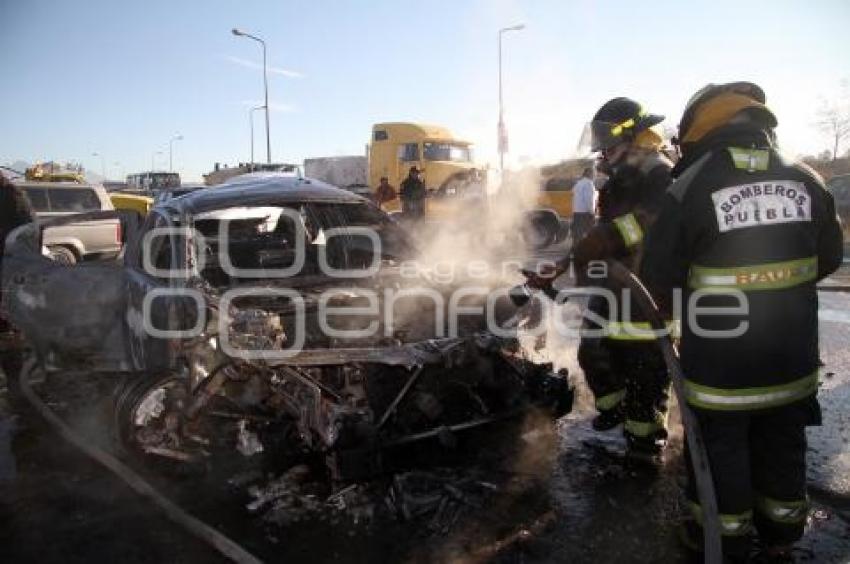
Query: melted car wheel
[540, 229]
[150, 421]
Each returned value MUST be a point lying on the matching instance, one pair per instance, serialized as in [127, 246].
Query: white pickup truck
[70, 243]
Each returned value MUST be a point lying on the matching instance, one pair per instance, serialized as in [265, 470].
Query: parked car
[252, 347]
[75, 241]
[839, 186]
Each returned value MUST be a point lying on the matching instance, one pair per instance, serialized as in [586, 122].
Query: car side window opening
[38, 199]
[381, 135]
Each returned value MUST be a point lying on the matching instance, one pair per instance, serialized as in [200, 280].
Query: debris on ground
[247, 442]
[244, 479]
[439, 498]
[293, 498]
[436, 498]
[8, 467]
[287, 485]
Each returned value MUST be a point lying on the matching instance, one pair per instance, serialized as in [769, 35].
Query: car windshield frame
[317, 218]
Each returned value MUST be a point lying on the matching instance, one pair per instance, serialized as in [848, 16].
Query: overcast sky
[121, 78]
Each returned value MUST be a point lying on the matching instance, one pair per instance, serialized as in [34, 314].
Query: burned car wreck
[283, 300]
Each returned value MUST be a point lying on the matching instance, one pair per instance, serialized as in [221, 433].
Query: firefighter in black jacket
[623, 365]
[15, 210]
[742, 228]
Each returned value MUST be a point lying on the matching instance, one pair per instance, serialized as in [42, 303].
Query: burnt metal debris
[436, 499]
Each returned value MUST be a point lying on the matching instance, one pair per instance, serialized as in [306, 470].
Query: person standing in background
[413, 195]
[385, 192]
[584, 205]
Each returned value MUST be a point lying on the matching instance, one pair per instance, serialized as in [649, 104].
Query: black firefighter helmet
[619, 120]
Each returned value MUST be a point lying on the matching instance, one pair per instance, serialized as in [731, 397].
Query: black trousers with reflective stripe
[635, 367]
[758, 459]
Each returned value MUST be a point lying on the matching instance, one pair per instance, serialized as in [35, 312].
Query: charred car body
[280, 300]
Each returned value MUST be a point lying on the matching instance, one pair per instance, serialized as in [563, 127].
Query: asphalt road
[562, 496]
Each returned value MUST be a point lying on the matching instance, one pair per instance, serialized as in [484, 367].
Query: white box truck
[347, 172]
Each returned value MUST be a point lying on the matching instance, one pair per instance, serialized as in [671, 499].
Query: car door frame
[72, 315]
[150, 352]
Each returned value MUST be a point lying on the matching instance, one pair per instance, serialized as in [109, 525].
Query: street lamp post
[251, 121]
[177, 137]
[503, 135]
[153, 157]
[102, 163]
[237, 32]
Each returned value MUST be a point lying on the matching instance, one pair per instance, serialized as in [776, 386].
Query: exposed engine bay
[346, 404]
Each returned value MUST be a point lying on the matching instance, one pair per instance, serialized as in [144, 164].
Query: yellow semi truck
[455, 183]
[453, 178]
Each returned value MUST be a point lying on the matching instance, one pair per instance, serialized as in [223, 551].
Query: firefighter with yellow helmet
[746, 234]
[619, 356]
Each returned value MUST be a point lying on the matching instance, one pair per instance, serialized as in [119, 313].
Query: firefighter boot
[646, 451]
[608, 419]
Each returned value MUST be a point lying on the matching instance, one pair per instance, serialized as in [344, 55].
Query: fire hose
[196, 527]
[696, 446]
[623, 277]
